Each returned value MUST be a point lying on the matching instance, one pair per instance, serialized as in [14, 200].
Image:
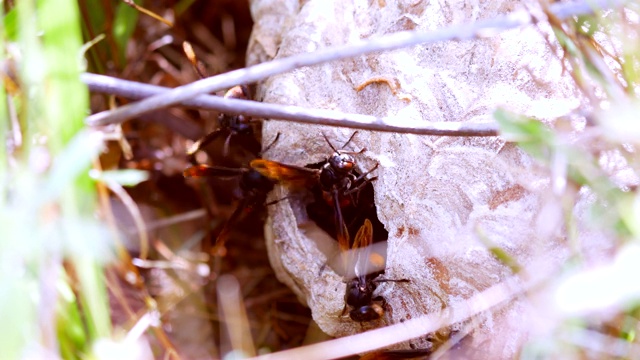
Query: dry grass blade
[148, 12]
[134, 210]
[235, 317]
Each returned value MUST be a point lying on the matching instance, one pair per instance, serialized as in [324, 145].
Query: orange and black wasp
[366, 270]
[335, 176]
[253, 188]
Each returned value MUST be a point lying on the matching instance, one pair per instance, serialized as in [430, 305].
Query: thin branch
[497, 295]
[464, 31]
[134, 90]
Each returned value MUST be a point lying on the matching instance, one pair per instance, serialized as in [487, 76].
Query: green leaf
[123, 26]
[10, 23]
[586, 24]
[73, 161]
[70, 327]
[532, 135]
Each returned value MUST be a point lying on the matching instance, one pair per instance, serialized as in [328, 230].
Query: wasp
[359, 291]
[335, 176]
[252, 191]
[239, 126]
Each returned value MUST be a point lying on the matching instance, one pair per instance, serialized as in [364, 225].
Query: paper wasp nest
[434, 195]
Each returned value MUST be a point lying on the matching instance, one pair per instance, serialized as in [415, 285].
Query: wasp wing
[288, 175]
[217, 171]
[362, 249]
[364, 237]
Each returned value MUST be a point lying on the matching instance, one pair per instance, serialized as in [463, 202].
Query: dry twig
[134, 90]
[479, 29]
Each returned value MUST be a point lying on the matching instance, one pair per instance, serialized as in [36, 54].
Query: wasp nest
[438, 197]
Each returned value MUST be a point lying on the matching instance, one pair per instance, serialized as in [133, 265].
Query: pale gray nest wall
[434, 194]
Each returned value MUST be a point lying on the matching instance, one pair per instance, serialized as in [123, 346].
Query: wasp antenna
[391, 280]
[350, 138]
[278, 200]
[270, 145]
[329, 142]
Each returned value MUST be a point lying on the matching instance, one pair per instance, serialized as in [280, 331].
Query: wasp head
[342, 163]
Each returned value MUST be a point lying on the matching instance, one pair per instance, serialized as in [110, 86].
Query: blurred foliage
[593, 154]
[123, 25]
[52, 249]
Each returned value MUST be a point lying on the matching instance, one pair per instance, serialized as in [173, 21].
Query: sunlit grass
[52, 247]
[589, 303]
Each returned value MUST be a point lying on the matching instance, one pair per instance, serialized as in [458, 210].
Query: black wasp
[253, 189]
[336, 177]
[367, 269]
[253, 192]
[239, 126]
